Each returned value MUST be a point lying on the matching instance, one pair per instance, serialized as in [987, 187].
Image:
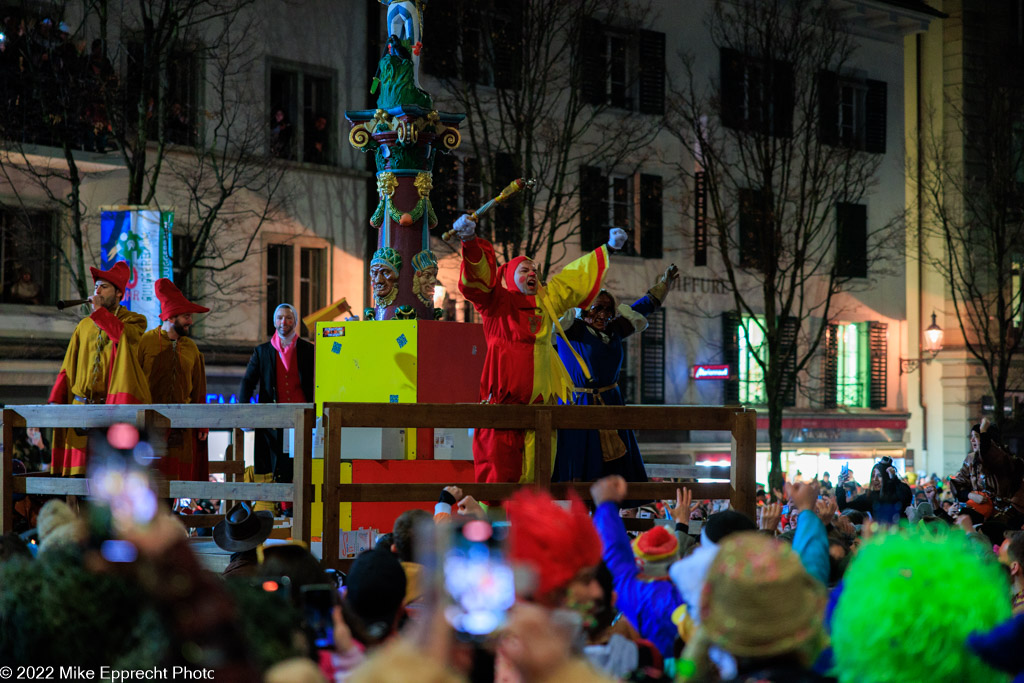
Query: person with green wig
[909, 601]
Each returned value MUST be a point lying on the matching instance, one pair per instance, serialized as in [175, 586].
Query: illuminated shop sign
[710, 372]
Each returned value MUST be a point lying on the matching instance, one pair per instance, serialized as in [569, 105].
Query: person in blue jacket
[595, 337]
[649, 604]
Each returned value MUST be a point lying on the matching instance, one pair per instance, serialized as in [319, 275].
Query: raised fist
[665, 281]
[617, 238]
[464, 228]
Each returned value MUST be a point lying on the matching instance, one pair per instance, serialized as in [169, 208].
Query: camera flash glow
[122, 436]
[477, 531]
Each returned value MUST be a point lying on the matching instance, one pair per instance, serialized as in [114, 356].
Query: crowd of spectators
[57, 88]
[903, 578]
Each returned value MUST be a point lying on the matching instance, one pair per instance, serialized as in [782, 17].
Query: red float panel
[450, 361]
[382, 516]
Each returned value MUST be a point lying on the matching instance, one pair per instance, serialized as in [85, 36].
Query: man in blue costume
[596, 335]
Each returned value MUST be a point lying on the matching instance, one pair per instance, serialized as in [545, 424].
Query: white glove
[616, 238]
[464, 228]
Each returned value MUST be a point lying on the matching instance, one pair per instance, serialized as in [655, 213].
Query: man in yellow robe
[101, 364]
[176, 371]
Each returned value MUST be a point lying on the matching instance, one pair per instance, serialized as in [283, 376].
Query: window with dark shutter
[789, 329]
[652, 359]
[621, 68]
[874, 139]
[851, 240]
[278, 279]
[472, 42]
[445, 195]
[593, 67]
[828, 107]
[780, 91]
[440, 57]
[469, 198]
[731, 355]
[27, 240]
[878, 342]
[650, 216]
[507, 34]
[508, 217]
[593, 207]
[732, 86]
[830, 367]
[752, 224]
[757, 96]
[652, 72]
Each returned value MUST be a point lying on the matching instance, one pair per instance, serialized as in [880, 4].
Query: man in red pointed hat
[101, 364]
[176, 371]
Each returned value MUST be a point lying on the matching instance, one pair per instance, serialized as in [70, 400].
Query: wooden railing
[741, 423]
[298, 416]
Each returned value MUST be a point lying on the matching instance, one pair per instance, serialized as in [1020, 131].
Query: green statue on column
[404, 132]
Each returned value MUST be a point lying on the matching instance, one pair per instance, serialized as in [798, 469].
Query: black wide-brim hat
[242, 529]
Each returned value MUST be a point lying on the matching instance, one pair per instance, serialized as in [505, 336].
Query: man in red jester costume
[521, 365]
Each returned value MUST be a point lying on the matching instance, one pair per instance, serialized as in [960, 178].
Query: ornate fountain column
[404, 133]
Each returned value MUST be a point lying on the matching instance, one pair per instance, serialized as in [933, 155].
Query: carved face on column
[423, 284]
[384, 267]
[384, 281]
[424, 277]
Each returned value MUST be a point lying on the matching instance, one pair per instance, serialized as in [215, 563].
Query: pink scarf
[285, 353]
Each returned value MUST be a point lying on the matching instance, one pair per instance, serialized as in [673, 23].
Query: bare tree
[775, 166]
[531, 77]
[179, 114]
[972, 182]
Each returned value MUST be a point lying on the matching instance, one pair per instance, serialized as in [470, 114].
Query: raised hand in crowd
[803, 495]
[771, 514]
[469, 505]
[611, 488]
[681, 512]
[826, 510]
[455, 492]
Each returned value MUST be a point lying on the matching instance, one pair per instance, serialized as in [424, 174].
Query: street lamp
[932, 346]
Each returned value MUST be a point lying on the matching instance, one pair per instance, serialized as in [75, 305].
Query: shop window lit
[751, 348]
[852, 371]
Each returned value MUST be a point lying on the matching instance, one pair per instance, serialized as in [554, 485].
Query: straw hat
[754, 575]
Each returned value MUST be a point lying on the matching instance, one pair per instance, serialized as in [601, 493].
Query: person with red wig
[521, 366]
[561, 550]
[100, 365]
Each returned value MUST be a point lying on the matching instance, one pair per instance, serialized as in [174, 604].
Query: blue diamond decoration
[402, 341]
[336, 347]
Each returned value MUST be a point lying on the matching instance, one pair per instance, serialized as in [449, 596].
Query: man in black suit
[283, 369]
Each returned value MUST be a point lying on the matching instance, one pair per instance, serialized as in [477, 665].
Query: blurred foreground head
[910, 599]
[754, 575]
[559, 546]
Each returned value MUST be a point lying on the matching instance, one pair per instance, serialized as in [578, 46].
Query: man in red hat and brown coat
[176, 371]
[101, 364]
